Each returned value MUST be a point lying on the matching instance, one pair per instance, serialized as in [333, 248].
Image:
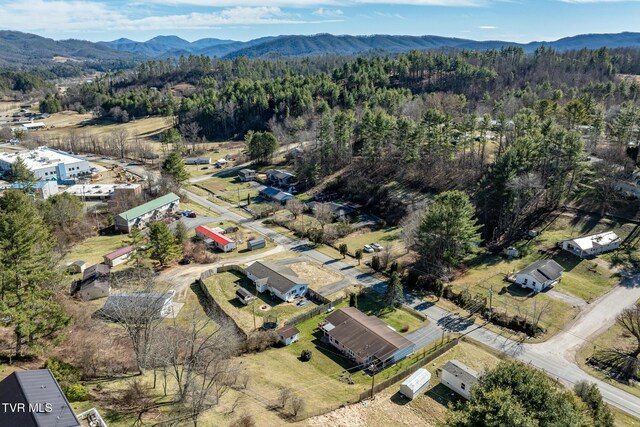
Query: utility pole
[490, 303]
[373, 381]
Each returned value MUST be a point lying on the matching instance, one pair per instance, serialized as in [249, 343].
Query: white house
[415, 384]
[142, 215]
[119, 307]
[287, 335]
[280, 280]
[459, 377]
[197, 161]
[593, 244]
[540, 275]
[215, 238]
[47, 164]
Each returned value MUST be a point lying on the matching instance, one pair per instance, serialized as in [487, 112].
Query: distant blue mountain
[321, 44]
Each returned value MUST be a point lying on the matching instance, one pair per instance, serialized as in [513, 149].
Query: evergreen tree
[162, 244]
[515, 394]
[174, 167]
[261, 146]
[136, 239]
[18, 172]
[447, 230]
[181, 232]
[394, 293]
[27, 301]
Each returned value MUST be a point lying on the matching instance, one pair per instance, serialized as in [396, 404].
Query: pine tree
[174, 167]
[394, 293]
[26, 270]
[162, 244]
[18, 172]
[136, 238]
[447, 230]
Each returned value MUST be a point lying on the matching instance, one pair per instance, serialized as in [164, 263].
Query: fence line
[410, 370]
[313, 312]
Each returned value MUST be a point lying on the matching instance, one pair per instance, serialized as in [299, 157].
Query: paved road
[571, 300]
[424, 336]
[556, 356]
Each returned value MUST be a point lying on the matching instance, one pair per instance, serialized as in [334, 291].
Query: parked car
[184, 261]
[301, 303]
[192, 215]
[376, 247]
[368, 249]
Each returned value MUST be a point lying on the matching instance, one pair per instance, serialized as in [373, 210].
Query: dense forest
[511, 129]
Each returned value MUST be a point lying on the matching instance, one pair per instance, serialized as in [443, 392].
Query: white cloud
[87, 16]
[328, 12]
[487, 27]
[310, 3]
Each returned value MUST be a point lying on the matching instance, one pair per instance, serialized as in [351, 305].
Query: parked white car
[376, 247]
[368, 249]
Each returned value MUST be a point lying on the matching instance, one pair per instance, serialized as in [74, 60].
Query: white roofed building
[47, 164]
[593, 244]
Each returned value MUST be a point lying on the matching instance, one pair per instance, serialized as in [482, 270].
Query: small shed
[244, 296]
[77, 267]
[118, 256]
[287, 335]
[415, 384]
[256, 244]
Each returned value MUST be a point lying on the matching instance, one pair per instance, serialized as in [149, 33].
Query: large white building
[593, 244]
[47, 164]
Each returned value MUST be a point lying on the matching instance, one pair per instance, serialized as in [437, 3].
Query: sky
[512, 20]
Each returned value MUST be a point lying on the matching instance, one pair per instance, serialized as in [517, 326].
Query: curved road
[556, 356]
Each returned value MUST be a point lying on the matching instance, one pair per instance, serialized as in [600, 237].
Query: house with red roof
[215, 239]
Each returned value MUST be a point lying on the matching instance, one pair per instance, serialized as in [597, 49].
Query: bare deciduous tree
[323, 214]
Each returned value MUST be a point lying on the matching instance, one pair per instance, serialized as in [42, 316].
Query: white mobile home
[459, 377]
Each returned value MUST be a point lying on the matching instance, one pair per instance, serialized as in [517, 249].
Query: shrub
[405, 328]
[63, 372]
[306, 355]
[77, 393]
[375, 263]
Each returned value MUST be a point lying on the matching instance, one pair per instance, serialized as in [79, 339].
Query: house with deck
[277, 279]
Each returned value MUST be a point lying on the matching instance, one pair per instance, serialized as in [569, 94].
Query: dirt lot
[316, 275]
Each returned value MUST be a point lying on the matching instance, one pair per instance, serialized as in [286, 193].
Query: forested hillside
[513, 130]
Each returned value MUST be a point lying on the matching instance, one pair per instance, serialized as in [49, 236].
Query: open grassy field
[402, 321]
[613, 338]
[92, 249]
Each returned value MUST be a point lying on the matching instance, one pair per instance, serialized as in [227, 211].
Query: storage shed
[415, 384]
[459, 377]
[254, 244]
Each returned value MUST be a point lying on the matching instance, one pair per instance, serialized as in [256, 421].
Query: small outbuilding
[118, 256]
[215, 239]
[244, 296]
[76, 267]
[247, 175]
[459, 377]
[415, 384]
[287, 335]
[254, 244]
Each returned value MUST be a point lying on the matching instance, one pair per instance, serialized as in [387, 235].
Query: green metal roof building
[148, 212]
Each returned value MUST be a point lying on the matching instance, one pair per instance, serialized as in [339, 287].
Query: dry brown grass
[315, 275]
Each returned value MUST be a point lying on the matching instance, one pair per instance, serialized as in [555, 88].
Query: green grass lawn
[223, 286]
[402, 321]
[92, 249]
[585, 279]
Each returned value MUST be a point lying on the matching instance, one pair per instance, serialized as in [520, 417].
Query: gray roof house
[280, 280]
[95, 283]
[540, 275]
[44, 402]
